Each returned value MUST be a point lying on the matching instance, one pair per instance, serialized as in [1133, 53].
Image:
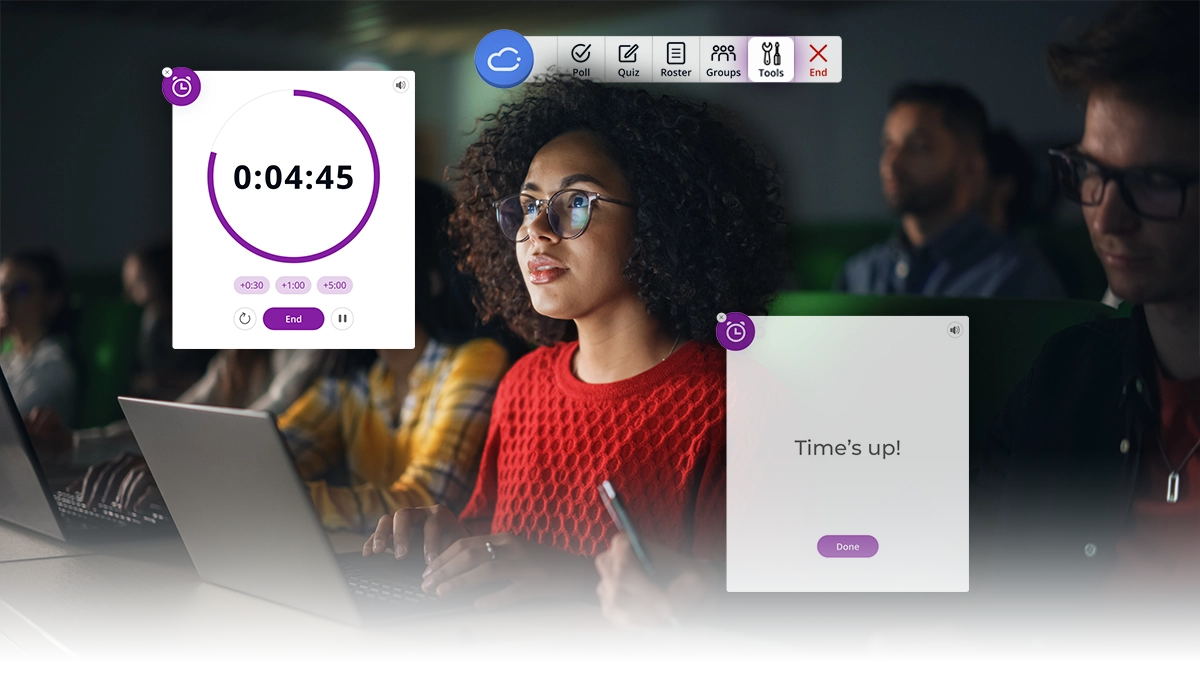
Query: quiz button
[847, 546]
[293, 318]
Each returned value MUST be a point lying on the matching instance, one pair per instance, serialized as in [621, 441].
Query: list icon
[676, 59]
[676, 53]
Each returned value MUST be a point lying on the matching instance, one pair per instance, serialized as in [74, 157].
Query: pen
[621, 519]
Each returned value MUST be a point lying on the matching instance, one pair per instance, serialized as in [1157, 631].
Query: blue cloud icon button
[504, 59]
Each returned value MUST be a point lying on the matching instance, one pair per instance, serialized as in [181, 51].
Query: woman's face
[23, 300]
[569, 279]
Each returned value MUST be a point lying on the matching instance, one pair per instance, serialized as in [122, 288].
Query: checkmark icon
[581, 52]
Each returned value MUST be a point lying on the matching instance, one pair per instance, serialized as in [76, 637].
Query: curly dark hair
[708, 232]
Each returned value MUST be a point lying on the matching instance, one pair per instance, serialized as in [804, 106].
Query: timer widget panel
[292, 210]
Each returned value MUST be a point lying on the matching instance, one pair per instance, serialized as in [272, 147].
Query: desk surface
[18, 544]
[144, 603]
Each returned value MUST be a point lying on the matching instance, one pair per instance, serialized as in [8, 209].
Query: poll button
[581, 56]
[847, 546]
[293, 318]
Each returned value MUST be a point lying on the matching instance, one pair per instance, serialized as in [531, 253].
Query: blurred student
[1008, 199]
[33, 312]
[934, 170]
[1097, 455]
[162, 372]
[268, 380]
[609, 226]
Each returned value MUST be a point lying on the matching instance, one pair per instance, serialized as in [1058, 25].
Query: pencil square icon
[676, 53]
[627, 53]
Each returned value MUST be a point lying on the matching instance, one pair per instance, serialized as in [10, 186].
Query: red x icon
[817, 53]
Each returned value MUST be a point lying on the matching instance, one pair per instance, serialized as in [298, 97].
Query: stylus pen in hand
[621, 519]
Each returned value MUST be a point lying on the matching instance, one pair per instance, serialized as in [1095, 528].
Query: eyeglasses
[569, 211]
[1152, 193]
[15, 291]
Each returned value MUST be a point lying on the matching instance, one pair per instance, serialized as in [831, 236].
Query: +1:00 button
[306, 319]
[847, 546]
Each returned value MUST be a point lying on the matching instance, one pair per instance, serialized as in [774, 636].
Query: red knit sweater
[658, 436]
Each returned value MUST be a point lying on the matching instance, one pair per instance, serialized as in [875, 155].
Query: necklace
[1173, 478]
[574, 358]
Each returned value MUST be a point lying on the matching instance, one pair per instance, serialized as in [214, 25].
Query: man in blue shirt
[934, 172]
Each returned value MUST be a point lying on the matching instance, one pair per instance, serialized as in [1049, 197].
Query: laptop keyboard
[370, 585]
[71, 505]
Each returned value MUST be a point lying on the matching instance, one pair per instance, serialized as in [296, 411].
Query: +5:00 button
[847, 546]
[293, 318]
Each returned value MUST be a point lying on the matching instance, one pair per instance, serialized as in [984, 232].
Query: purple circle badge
[180, 85]
[735, 331]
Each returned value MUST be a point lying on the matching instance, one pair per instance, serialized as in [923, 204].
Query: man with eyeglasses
[1095, 459]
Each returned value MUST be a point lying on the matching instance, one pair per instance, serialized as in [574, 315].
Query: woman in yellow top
[402, 428]
[406, 432]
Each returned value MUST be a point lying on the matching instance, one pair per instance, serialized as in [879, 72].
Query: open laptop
[248, 521]
[28, 499]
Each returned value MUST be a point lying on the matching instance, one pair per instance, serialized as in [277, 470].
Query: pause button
[341, 319]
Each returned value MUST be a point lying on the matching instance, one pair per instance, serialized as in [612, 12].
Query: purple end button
[306, 319]
[847, 546]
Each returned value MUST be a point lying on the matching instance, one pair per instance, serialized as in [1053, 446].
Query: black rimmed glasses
[1154, 193]
[568, 211]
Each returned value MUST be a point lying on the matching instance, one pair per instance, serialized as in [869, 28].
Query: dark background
[85, 153]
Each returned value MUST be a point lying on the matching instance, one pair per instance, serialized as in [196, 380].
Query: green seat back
[104, 342]
[818, 253]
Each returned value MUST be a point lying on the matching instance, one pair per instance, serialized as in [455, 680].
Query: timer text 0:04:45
[273, 177]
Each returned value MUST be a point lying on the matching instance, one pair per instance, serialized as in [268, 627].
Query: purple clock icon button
[735, 331]
[335, 285]
[293, 285]
[251, 285]
[180, 86]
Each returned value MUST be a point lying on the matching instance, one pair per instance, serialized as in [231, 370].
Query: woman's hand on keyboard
[441, 528]
[530, 569]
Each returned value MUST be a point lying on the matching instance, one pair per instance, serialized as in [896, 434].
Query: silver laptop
[248, 521]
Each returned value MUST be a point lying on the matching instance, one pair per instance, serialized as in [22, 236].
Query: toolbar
[690, 59]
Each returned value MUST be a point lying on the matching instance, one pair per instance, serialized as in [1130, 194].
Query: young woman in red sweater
[608, 226]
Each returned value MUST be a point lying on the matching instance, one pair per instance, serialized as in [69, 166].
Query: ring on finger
[490, 550]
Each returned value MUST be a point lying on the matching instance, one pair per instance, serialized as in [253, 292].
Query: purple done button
[846, 546]
[293, 318]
